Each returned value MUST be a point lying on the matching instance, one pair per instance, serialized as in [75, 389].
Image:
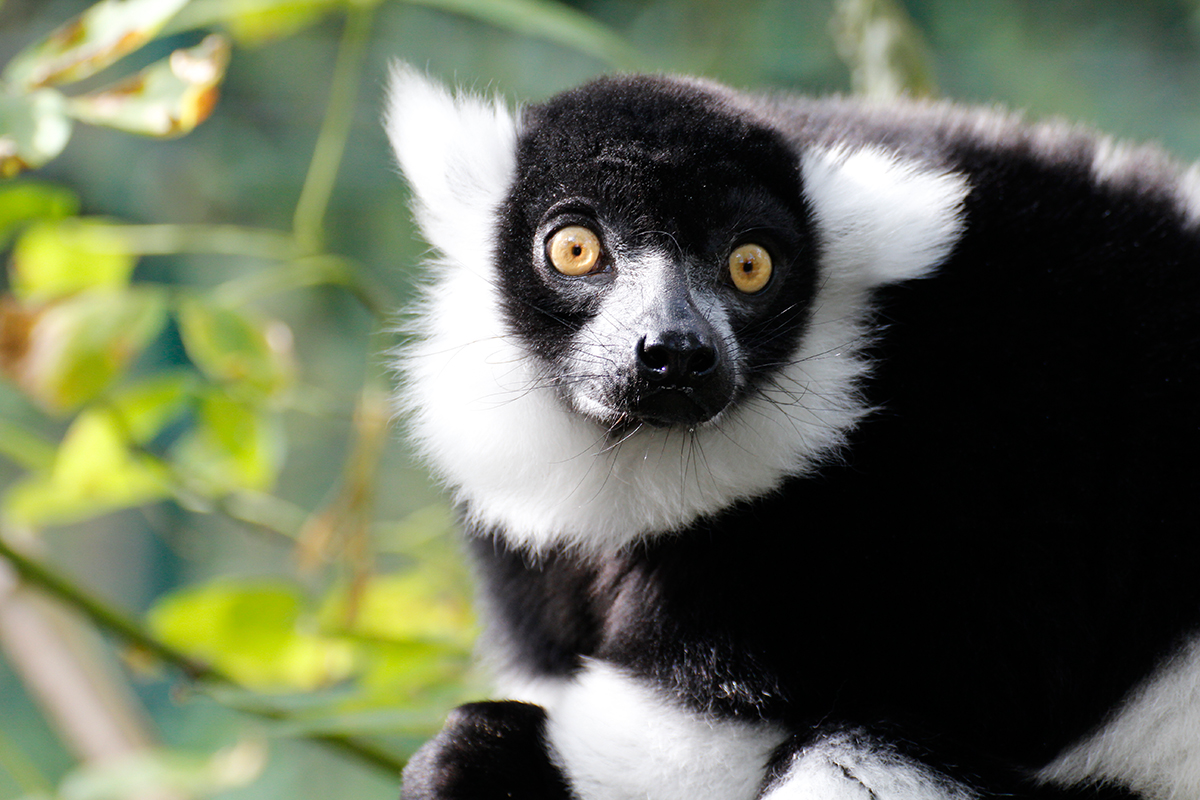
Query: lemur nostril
[674, 357]
[654, 357]
[703, 360]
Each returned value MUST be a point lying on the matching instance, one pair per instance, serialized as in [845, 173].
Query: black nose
[676, 358]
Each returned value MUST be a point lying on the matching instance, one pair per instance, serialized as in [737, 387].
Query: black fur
[487, 750]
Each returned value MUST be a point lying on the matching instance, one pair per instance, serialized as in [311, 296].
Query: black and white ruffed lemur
[807, 448]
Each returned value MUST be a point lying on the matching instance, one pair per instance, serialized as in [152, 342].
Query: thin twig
[105, 617]
[335, 130]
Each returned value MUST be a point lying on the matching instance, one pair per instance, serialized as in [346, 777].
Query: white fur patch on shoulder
[459, 156]
[616, 739]
[845, 767]
[1151, 745]
[882, 219]
[1147, 169]
[1189, 189]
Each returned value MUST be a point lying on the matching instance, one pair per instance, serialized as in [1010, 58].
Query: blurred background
[221, 573]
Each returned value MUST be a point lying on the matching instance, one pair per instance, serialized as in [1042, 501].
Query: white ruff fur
[840, 768]
[500, 438]
[1149, 745]
[617, 739]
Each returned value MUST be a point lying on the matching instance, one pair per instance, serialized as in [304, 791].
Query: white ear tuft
[458, 154]
[880, 218]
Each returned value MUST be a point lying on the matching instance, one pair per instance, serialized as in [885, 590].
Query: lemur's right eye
[574, 250]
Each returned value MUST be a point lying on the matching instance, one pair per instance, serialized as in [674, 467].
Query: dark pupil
[577, 250]
[747, 266]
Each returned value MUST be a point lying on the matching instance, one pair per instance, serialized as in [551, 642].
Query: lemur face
[657, 272]
[648, 299]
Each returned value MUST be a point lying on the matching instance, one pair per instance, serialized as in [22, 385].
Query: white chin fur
[510, 450]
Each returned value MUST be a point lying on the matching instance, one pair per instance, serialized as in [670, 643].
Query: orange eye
[574, 250]
[750, 268]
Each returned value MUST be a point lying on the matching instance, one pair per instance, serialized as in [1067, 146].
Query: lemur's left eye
[574, 250]
[750, 268]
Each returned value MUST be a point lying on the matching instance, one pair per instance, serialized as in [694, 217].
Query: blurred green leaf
[409, 606]
[257, 632]
[55, 258]
[168, 98]
[398, 674]
[146, 407]
[234, 445]
[415, 632]
[160, 773]
[95, 471]
[21, 203]
[67, 353]
[25, 448]
[254, 22]
[235, 346]
[96, 38]
[34, 128]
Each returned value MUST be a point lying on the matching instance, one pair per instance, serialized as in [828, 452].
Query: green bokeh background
[1129, 67]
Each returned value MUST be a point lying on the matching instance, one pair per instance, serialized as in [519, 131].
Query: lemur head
[654, 252]
[649, 301]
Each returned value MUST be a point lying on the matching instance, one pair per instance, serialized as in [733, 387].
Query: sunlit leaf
[235, 346]
[66, 353]
[21, 203]
[400, 673]
[96, 470]
[405, 607]
[168, 98]
[258, 632]
[254, 22]
[60, 257]
[234, 445]
[90, 42]
[34, 128]
[163, 773]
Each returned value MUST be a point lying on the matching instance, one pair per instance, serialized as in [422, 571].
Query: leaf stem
[335, 130]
